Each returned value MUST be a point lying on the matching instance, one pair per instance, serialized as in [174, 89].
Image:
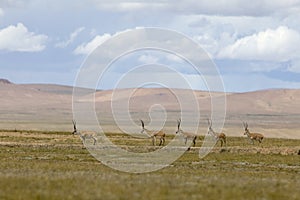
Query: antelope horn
[143, 125]
[178, 123]
[74, 124]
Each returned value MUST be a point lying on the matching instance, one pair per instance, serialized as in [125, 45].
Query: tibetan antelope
[252, 136]
[84, 135]
[186, 135]
[154, 135]
[218, 136]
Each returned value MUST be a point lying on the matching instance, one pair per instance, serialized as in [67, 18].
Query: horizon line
[5, 80]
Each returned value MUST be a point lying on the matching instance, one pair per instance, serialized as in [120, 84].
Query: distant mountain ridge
[49, 106]
[5, 81]
[282, 101]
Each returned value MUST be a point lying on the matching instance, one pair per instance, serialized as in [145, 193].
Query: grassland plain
[53, 165]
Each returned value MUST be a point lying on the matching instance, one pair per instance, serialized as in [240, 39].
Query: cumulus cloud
[87, 48]
[279, 44]
[175, 58]
[71, 39]
[18, 38]
[148, 59]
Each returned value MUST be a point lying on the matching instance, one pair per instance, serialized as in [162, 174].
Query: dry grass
[53, 165]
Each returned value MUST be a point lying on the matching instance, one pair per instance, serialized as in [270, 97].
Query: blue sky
[254, 45]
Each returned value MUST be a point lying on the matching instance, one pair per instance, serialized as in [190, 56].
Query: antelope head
[143, 127]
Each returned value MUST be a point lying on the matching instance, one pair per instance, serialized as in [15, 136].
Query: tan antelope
[154, 135]
[186, 135]
[252, 136]
[84, 135]
[218, 136]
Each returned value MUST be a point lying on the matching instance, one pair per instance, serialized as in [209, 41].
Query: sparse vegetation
[52, 165]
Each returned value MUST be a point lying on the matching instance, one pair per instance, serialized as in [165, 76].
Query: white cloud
[87, 48]
[215, 32]
[128, 5]
[71, 39]
[148, 59]
[223, 7]
[175, 58]
[207, 42]
[279, 44]
[18, 38]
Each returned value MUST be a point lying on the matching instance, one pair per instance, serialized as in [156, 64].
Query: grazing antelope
[252, 136]
[84, 135]
[154, 135]
[218, 136]
[186, 135]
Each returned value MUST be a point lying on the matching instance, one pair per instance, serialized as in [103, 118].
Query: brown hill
[26, 107]
[280, 101]
[49, 107]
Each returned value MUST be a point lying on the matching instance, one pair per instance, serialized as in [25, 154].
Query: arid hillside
[49, 107]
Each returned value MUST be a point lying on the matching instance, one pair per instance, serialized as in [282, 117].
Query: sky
[254, 45]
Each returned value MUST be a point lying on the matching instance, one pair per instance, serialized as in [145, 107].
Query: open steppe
[53, 165]
[41, 159]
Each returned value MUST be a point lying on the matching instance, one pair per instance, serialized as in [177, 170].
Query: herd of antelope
[160, 135]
